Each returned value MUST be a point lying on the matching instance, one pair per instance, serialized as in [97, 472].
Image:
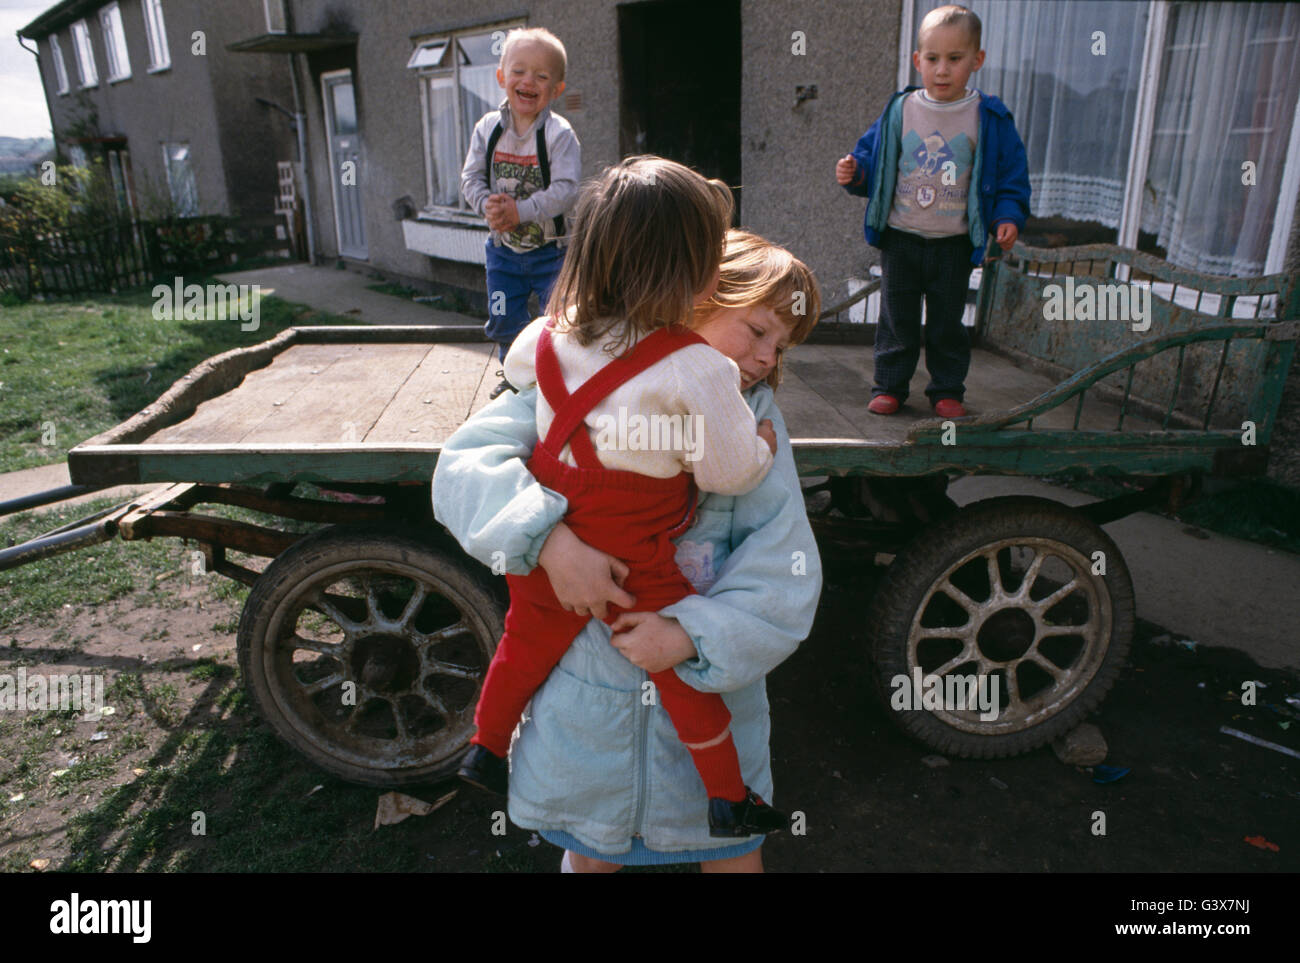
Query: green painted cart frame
[364, 643]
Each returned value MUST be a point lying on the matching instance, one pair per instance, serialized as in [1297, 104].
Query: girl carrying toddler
[593, 769]
[646, 245]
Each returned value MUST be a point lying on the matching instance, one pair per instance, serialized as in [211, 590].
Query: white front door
[345, 162]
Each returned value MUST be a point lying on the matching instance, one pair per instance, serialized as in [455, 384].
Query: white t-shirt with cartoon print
[935, 164]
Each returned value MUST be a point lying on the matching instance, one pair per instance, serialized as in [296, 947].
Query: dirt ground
[1192, 798]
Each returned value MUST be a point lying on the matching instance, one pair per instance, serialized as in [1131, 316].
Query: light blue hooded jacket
[590, 759]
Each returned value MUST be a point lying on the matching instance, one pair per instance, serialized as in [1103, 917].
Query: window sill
[450, 215]
[118, 80]
[160, 70]
[442, 234]
[89, 86]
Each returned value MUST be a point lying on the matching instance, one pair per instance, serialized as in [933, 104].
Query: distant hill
[18, 154]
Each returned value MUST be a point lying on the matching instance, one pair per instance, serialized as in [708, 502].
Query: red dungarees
[632, 517]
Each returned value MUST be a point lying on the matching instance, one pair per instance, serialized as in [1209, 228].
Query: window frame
[61, 80]
[1155, 49]
[84, 50]
[459, 213]
[284, 15]
[114, 32]
[155, 29]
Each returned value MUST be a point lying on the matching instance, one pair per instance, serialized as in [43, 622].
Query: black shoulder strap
[544, 162]
[491, 148]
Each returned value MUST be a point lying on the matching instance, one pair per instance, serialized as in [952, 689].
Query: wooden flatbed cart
[364, 644]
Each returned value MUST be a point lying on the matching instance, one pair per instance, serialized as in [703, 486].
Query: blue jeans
[511, 277]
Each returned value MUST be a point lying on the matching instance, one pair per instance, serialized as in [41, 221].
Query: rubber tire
[482, 600]
[930, 554]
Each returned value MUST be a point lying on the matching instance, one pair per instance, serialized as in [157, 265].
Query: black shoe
[501, 388]
[748, 817]
[482, 768]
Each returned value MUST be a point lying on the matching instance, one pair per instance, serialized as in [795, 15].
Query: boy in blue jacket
[942, 167]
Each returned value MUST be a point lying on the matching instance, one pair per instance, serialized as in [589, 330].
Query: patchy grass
[112, 570]
[449, 298]
[396, 290]
[70, 369]
[150, 570]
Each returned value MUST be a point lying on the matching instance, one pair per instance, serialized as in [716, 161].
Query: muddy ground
[185, 738]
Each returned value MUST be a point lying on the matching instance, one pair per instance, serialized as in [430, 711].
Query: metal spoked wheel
[365, 650]
[1015, 615]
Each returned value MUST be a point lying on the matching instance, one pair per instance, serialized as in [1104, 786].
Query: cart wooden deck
[375, 404]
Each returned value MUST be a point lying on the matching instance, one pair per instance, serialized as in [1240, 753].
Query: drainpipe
[35, 52]
[300, 122]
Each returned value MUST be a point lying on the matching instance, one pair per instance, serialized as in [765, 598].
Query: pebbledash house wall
[208, 101]
[787, 153]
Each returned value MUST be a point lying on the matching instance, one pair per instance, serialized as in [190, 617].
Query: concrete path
[1209, 588]
[344, 292]
[30, 481]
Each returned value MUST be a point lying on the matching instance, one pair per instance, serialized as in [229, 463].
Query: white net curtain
[1227, 96]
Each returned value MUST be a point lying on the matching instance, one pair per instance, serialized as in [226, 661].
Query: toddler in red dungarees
[635, 413]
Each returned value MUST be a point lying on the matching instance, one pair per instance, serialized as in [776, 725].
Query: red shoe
[949, 408]
[883, 405]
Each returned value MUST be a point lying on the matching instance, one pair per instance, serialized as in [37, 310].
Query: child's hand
[585, 579]
[768, 433]
[651, 642]
[1007, 234]
[845, 168]
[501, 212]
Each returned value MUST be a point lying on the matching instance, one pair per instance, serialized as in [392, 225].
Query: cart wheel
[1013, 593]
[365, 649]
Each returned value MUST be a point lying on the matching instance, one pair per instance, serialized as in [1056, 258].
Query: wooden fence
[119, 254]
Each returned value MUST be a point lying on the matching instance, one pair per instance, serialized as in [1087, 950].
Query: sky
[22, 100]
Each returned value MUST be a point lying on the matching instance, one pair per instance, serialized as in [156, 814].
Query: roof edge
[57, 17]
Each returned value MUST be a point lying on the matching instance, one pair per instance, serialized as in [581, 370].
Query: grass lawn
[70, 369]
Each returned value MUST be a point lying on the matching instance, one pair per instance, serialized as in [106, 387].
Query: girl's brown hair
[755, 271]
[646, 240]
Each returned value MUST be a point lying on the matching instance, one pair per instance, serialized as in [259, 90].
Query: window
[180, 179]
[276, 19]
[85, 54]
[60, 68]
[77, 156]
[458, 85]
[119, 61]
[1145, 145]
[159, 57]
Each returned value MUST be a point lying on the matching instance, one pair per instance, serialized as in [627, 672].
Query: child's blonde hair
[755, 271]
[952, 15]
[646, 239]
[538, 35]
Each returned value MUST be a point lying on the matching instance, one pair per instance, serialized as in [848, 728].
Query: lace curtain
[1227, 96]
